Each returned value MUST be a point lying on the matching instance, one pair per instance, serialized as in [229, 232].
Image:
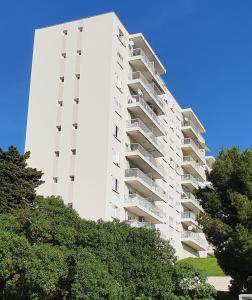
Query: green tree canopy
[17, 181]
[227, 221]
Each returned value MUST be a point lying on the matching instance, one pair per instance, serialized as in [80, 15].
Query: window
[72, 177]
[75, 125]
[56, 153]
[171, 201]
[171, 221]
[60, 103]
[58, 128]
[118, 107]
[73, 151]
[55, 179]
[121, 37]
[76, 100]
[117, 132]
[118, 83]
[65, 31]
[120, 57]
[78, 52]
[62, 78]
[116, 157]
[172, 125]
[115, 184]
[63, 55]
[77, 76]
[70, 205]
[80, 28]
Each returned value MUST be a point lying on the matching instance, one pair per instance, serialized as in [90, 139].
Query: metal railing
[191, 142]
[142, 102]
[149, 205]
[189, 177]
[138, 123]
[194, 236]
[139, 224]
[135, 172]
[196, 165]
[188, 195]
[191, 124]
[150, 86]
[189, 215]
[140, 52]
[146, 154]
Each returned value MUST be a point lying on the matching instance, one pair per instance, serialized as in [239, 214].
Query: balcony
[140, 62]
[141, 134]
[143, 184]
[189, 181]
[139, 107]
[144, 161]
[150, 91]
[191, 131]
[139, 224]
[189, 218]
[189, 201]
[194, 168]
[193, 240]
[189, 146]
[142, 207]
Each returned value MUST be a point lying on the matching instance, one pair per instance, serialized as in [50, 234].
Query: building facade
[108, 135]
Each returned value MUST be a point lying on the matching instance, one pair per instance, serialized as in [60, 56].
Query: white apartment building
[108, 135]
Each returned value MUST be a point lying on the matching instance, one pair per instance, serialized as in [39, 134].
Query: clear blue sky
[206, 46]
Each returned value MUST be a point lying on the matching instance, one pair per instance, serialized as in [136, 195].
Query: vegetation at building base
[48, 252]
[227, 221]
[208, 266]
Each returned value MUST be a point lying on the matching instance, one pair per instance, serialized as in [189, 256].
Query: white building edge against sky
[110, 138]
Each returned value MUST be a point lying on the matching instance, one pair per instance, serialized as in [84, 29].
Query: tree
[227, 221]
[17, 181]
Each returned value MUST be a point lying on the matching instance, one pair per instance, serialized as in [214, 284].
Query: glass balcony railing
[139, 224]
[189, 141]
[149, 205]
[134, 172]
[189, 215]
[190, 123]
[150, 86]
[138, 123]
[200, 169]
[138, 99]
[188, 195]
[194, 236]
[140, 52]
[189, 177]
[147, 155]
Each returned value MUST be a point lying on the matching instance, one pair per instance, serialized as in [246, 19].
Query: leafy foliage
[227, 221]
[17, 181]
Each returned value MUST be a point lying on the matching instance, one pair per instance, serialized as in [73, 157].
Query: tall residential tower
[109, 136]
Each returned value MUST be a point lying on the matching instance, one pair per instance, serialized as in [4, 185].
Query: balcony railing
[189, 177]
[196, 165]
[189, 141]
[150, 86]
[140, 52]
[134, 172]
[136, 223]
[188, 195]
[190, 123]
[147, 155]
[138, 99]
[138, 123]
[189, 215]
[194, 236]
[147, 204]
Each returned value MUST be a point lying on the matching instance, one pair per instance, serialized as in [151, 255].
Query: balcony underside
[189, 222]
[190, 133]
[138, 64]
[143, 164]
[141, 138]
[190, 205]
[143, 212]
[191, 169]
[193, 244]
[190, 151]
[139, 112]
[135, 85]
[189, 184]
[143, 188]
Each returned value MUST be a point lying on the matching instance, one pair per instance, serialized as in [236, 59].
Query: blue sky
[206, 46]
